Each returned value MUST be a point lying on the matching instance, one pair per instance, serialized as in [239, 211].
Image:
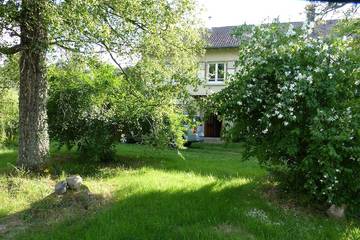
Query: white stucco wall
[226, 55]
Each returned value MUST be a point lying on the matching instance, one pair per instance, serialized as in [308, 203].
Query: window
[212, 72]
[216, 72]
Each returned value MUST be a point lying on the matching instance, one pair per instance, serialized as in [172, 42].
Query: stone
[60, 187]
[2, 228]
[336, 212]
[74, 182]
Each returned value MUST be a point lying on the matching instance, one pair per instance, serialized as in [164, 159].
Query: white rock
[336, 212]
[60, 187]
[2, 228]
[74, 182]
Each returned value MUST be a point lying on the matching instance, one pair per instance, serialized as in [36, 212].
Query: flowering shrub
[295, 99]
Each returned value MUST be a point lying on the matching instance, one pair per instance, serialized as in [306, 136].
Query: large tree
[162, 33]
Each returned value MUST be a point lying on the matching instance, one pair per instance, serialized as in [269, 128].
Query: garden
[207, 193]
[93, 149]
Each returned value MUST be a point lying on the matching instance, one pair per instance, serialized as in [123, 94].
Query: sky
[236, 12]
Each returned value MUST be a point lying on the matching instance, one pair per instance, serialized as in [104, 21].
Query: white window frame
[216, 80]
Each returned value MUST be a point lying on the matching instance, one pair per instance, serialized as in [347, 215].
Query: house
[218, 64]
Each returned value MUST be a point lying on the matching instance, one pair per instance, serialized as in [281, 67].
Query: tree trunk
[33, 135]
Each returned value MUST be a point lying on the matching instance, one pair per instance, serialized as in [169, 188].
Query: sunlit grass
[208, 192]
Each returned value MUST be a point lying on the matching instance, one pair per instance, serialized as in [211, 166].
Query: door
[212, 126]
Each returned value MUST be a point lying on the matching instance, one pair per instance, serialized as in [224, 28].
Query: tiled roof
[221, 37]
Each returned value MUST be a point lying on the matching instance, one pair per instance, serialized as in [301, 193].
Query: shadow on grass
[218, 160]
[204, 213]
[52, 210]
[7, 159]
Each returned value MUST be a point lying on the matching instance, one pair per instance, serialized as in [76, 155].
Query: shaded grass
[207, 193]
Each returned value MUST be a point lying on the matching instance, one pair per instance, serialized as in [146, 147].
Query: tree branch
[115, 61]
[11, 50]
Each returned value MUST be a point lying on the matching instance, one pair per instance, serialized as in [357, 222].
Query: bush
[9, 117]
[296, 101]
[9, 102]
[92, 106]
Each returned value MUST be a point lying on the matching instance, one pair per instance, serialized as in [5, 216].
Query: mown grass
[206, 192]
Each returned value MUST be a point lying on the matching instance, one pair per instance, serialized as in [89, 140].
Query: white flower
[317, 69]
[330, 75]
[311, 25]
[286, 123]
[280, 116]
[357, 82]
[290, 31]
[265, 131]
[292, 87]
[309, 79]
[239, 103]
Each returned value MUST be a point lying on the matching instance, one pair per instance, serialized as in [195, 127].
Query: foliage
[9, 112]
[296, 100]
[162, 37]
[9, 73]
[93, 106]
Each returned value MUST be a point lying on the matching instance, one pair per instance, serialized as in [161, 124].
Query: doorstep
[215, 140]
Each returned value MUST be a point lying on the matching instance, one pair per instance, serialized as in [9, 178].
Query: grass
[206, 192]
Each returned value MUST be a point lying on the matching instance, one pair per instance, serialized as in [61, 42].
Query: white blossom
[290, 31]
[309, 79]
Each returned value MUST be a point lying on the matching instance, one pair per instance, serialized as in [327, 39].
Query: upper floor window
[216, 72]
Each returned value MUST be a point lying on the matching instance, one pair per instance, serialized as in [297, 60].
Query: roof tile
[221, 37]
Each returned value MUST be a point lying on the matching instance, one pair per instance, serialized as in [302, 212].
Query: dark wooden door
[212, 126]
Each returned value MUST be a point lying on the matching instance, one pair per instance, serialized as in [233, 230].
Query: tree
[162, 33]
[295, 101]
[318, 11]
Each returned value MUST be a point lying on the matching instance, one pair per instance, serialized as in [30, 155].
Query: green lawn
[205, 192]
